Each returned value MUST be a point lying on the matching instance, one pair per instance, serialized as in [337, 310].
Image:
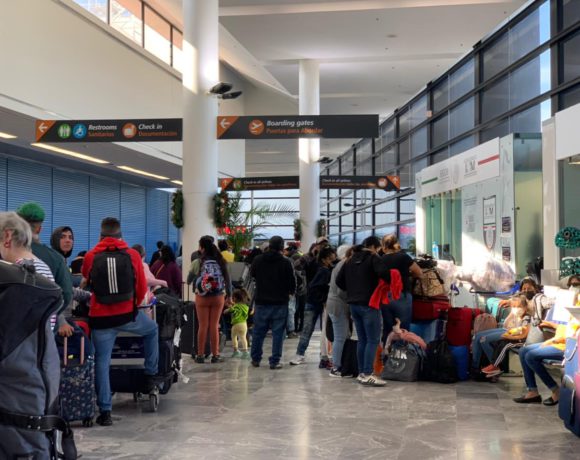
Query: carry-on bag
[460, 325]
[403, 362]
[569, 400]
[349, 361]
[461, 355]
[429, 308]
[439, 363]
[77, 378]
[429, 285]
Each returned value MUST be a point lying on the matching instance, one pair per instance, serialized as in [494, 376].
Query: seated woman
[531, 357]
[515, 337]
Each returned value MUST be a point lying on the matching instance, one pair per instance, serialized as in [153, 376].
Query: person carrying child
[239, 312]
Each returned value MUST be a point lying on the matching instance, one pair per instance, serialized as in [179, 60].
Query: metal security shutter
[133, 214]
[70, 195]
[104, 201]
[173, 233]
[157, 209]
[3, 184]
[28, 181]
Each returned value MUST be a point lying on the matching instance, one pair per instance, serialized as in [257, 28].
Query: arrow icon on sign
[225, 124]
[42, 127]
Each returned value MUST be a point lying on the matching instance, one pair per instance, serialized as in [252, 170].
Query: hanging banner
[293, 127]
[386, 183]
[147, 130]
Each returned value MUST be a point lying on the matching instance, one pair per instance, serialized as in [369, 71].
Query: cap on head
[31, 212]
[276, 243]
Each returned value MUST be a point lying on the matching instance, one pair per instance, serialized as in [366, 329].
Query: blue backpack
[211, 279]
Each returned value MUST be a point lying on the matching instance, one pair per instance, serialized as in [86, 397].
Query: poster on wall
[489, 222]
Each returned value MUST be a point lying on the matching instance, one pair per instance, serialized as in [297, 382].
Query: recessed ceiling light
[177, 182]
[141, 172]
[391, 36]
[70, 153]
[7, 136]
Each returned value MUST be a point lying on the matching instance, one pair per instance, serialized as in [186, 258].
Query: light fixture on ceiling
[70, 153]
[224, 91]
[324, 160]
[177, 182]
[7, 136]
[142, 173]
[574, 160]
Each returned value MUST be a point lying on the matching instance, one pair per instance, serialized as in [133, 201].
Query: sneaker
[298, 360]
[151, 384]
[255, 364]
[236, 354]
[361, 378]
[373, 381]
[324, 364]
[199, 359]
[335, 372]
[276, 366]
[494, 373]
[216, 359]
[489, 368]
[104, 419]
[245, 355]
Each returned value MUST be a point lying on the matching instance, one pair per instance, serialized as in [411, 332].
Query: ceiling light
[574, 160]
[7, 136]
[143, 173]
[70, 153]
[177, 182]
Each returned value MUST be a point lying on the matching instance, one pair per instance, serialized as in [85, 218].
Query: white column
[309, 153]
[200, 110]
[550, 195]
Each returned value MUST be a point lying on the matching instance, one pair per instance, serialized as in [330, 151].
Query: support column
[309, 153]
[200, 110]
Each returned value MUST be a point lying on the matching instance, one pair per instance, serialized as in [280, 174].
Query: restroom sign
[131, 130]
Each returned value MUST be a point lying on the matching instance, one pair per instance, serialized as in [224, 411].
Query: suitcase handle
[65, 351]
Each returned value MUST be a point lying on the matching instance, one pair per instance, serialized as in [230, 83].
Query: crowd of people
[364, 289]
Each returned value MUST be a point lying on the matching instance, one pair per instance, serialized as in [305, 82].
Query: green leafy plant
[177, 209]
[321, 228]
[297, 229]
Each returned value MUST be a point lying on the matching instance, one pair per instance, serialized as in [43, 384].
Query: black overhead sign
[386, 183]
[149, 130]
[293, 127]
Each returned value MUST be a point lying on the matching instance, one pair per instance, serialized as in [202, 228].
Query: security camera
[232, 95]
[221, 88]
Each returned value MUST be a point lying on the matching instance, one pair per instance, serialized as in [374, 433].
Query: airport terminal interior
[366, 211]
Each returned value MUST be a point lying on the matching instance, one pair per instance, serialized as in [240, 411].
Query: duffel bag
[403, 362]
[430, 285]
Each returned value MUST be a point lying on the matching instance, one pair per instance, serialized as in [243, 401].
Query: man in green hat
[34, 214]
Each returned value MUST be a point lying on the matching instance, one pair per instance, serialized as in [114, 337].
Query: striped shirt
[42, 269]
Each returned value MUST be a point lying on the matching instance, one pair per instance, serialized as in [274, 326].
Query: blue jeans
[402, 309]
[104, 340]
[291, 313]
[531, 357]
[368, 323]
[311, 315]
[340, 328]
[483, 342]
[269, 317]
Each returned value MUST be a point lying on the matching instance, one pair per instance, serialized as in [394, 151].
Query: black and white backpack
[112, 277]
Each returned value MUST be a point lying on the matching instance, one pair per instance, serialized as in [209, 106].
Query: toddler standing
[239, 312]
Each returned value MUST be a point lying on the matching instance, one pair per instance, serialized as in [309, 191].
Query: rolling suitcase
[429, 308]
[460, 325]
[77, 379]
[461, 355]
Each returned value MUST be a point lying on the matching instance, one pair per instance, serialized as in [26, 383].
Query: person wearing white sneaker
[372, 381]
[298, 359]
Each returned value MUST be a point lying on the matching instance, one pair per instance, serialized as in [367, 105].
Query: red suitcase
[429, 308]
[460, 325]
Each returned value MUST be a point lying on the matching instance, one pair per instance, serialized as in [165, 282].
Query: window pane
[462, 118]
[530, 80]
[570, 97]
[404, 151]
[385, 213]
[439, 156]
[528, 121]
[462, 81]
[386, 161]
[96, 7]
[418, 166]
[530, 33]
[496, 57]
[462, 145]
[571, 56]
[177, 50]
[497, 131]
[441, 96]
[440, 131]
[419, 142]
[570, 12]
[419, 112]
[405, 176]
[404, 123]
[126, 18]
[407, 206]
[495, 100]
[388, 132]
[157, 35]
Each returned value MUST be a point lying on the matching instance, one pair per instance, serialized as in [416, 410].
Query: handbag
[403, 363]
[430, 285]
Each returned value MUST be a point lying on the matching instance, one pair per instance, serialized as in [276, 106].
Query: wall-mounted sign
[489, 222]
[150, 130]
[387, 183]
[293, 127]
[477, 164]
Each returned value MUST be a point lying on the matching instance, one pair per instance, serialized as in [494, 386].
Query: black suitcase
[349, 361]
[186, 340]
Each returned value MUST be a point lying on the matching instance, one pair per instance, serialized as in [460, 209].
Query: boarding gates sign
[131, 130]
[294, 127]
[386, 183]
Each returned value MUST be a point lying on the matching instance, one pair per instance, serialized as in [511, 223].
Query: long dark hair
[211, 252]
[167, 254]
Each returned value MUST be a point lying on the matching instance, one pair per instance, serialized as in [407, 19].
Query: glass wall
[518, 76]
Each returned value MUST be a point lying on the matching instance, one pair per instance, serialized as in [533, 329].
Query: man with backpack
[117, 280]
[275, 284]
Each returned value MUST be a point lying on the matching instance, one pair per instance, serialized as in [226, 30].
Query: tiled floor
[233, 411]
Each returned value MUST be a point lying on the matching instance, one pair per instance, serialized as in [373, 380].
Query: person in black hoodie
[275, 283]
[359, 277]
[315, 300]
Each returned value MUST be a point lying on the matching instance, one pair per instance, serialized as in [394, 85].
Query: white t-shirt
[42, 269]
